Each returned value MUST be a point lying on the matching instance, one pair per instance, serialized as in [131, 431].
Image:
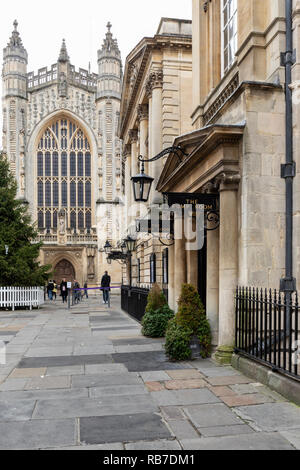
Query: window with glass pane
[153, 268]
[40, 164]
[47, 164]
[55, 194]
[80, 164]
[55, 164]
[229, 33]
[165, 266]
[40, 194]
[88, 220]
[64, 175]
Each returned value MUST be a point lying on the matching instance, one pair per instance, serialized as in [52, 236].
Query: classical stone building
[60, 137]
[235, 151]
[155, 108]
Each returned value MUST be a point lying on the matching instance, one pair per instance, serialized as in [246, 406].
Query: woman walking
[64, 290]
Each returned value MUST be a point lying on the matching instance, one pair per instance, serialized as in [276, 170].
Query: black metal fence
[134, 301]
[267, 328]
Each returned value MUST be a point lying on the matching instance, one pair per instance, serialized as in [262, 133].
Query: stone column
[156, 83]
[180, 268]
[133, 139]
[212, 295]
[228, 265]
[192, 261]
[128, 191]
[143, 117]
[171, 286]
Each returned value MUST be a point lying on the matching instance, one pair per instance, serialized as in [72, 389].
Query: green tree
[18, 263]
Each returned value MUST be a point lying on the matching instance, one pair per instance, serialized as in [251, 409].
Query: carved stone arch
[70, 258]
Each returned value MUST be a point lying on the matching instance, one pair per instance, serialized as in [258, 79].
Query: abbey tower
[60, 137]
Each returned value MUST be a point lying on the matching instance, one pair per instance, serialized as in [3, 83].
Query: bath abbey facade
[60, 137]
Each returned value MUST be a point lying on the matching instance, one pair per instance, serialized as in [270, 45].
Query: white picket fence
[12, 297]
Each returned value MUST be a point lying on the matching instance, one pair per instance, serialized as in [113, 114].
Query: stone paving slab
[49, 352]
[244, 400]
[125, 428]
[184, 397]
[185, 384]
[255, 441]
[154, 386]
[28, 373]
[219, 431]
[154, 445]
[13, 385]
[92, 381]
[64, 371]
[271, 416]
[47, 383]
[229, 380]
[154, 376]
[220, 372]
[37, 434]
[12, 410]
[148, 361]
[61, 361]
[184, 374]
[293, 437]
[100, 447]
[61, 394]
[139, 348]
[183, 429]
[102, 369]
[136, 341]
[204, 416]
[173, 413]
[222, 391]
[117, 391]
[106, 406]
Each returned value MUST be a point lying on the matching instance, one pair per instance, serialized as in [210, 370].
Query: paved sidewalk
[87, 379]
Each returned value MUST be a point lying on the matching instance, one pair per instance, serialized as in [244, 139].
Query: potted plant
[158, 314]
[188, 335]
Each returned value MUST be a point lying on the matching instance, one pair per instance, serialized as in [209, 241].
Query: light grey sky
[43, 25]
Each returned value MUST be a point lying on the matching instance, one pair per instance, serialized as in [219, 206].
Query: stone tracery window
[63, 162]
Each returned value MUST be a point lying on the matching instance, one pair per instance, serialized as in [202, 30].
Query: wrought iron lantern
[130, 244]
[142, 184]
[124, 248]
[107, 247]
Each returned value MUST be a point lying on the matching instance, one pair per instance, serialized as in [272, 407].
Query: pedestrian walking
[105, 285]
[50, 288]
[64, 292]
[77, 291]
[54, 290]
[86, 290]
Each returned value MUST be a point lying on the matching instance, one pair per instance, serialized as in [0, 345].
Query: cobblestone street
[87, 379]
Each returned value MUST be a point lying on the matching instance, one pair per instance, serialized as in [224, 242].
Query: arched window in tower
[64, 176]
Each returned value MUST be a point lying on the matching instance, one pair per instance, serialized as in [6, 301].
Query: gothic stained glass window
[64, 164]
[229, 33]
[64, 194]
[47, 164]
[80, 164]
[55, 164]
[40, 164]
[64, 169]
[40, 194]
[40, 219]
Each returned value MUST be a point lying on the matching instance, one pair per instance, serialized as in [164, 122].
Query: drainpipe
[288, 170]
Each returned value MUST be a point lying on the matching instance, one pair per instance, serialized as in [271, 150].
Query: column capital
[228, 181]
[133, 136]
[143, 112]
[155, 80]
[209, 188]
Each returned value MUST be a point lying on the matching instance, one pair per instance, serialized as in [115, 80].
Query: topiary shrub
[190, 308]
[190, 321]
[156, 299]
[178, 341]
[155, 323]
[157, 315]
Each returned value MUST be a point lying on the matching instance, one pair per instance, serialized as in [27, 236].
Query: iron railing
[134, 301]
[267, 329]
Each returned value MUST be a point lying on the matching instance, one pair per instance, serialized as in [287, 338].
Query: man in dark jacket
[105, 284]
[64, 290]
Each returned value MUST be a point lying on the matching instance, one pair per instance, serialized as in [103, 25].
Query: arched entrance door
[64, 270]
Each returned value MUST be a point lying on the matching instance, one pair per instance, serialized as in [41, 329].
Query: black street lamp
[142, 184]
[130, 244]
[107, 247]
